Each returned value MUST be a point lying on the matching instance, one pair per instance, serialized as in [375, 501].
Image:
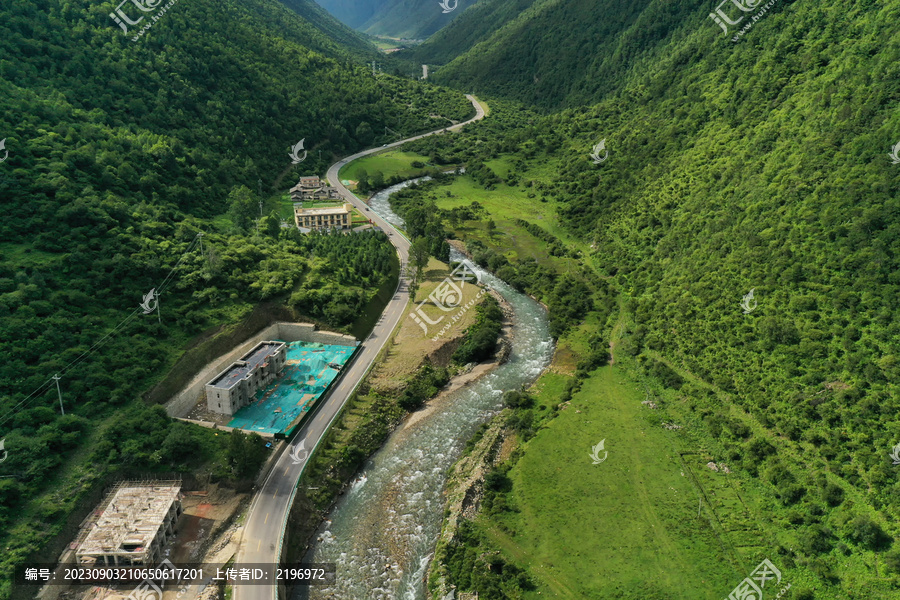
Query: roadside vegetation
[410, 371]
[790, 399]
[107, 184]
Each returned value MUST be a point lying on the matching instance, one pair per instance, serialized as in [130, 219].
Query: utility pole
[259, 188]
[59, 392]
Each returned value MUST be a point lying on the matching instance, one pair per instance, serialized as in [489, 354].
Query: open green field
[625, 528]
[391, 162]
[504, 203]
[383, 44]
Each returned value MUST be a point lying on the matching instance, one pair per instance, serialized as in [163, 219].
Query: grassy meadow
[391, 162]
[653, 521]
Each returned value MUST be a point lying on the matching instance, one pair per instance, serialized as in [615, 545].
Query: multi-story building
[323, 218]
[312, 189]
[233, 388]
[132, 525]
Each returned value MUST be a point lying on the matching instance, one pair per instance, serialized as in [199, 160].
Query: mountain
[474, 25]
[119, 149]
[753, 160]
[408, 19]
[558, 53]
[352, 14]
[336, 29]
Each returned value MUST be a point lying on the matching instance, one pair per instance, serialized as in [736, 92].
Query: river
[382, 532]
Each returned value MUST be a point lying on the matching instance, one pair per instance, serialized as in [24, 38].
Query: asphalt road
[267, 517]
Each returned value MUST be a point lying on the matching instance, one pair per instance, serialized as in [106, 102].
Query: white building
[233, 388]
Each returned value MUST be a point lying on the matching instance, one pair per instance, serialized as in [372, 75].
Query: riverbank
[473, 372]
[374, 413]
[383, 530]
[464, 494]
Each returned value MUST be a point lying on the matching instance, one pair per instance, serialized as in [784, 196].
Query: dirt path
[618, 331]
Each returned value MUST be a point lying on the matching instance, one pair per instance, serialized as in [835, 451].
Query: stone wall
[223, 428]
[179, 405]
[306, 332]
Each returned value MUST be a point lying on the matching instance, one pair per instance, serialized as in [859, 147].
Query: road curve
[268, 513]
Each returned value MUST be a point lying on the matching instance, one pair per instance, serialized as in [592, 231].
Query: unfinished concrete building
[132, 524]
[233, 388]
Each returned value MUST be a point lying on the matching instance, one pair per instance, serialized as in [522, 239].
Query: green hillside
[413, 19]
[553, 53]
[410, 19]
[342, 37]
[119, 153]
[758, 165]
[475, 25]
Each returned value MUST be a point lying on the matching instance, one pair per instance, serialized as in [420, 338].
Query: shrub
[832, 494]
[815, 540]
[866, 532]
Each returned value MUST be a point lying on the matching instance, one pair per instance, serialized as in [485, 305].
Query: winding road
[266, 520]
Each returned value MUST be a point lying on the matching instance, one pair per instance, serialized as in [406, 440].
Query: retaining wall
[210, 425]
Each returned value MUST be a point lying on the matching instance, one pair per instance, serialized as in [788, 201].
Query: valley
[618, 286]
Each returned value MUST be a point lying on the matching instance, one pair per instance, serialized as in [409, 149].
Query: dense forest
[122, 151]
[758, 165]
[407, 19]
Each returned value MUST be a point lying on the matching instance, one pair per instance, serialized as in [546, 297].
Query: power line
[40, 390]
[59, 392]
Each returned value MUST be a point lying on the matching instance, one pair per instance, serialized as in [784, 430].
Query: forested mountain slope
[554, 53]
[352, 14]
[758, 165]
[412, 19]
[476, 24]
[345, 38]
[415, 19]
[117, 153]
